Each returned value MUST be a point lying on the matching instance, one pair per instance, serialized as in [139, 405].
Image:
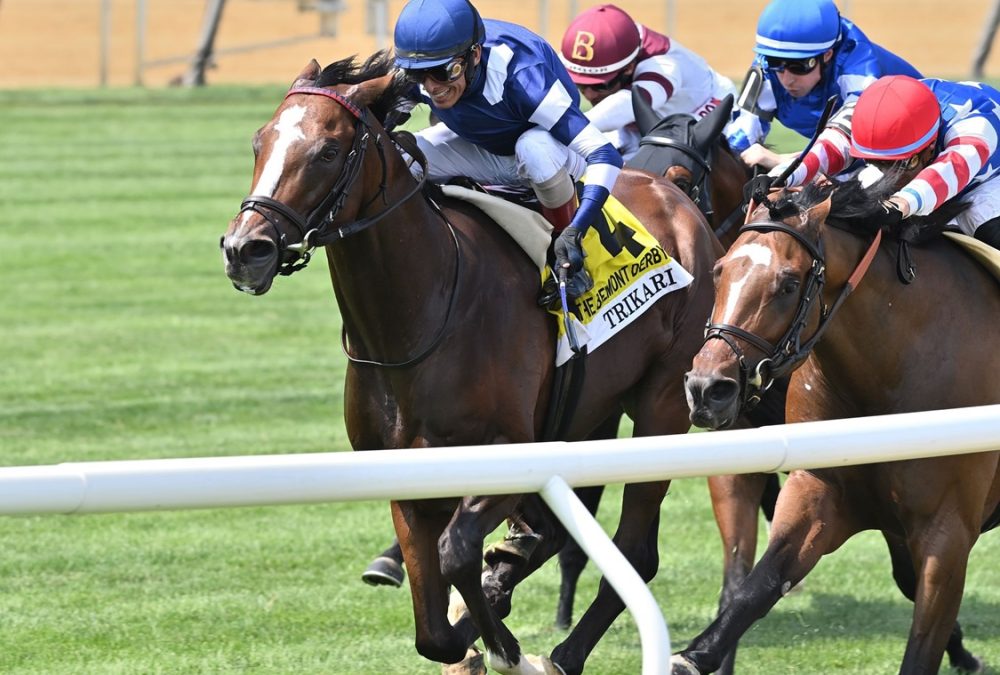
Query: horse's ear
[708, 129]
[308, 76]
[369, 91]
[645, 117]
[818, 214]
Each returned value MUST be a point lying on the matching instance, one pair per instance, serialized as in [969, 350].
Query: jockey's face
[799, 84]
[444, 95]
[908, 168]
[595, 93]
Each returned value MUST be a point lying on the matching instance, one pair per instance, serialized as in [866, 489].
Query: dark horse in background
[447, 346]
[784, 302]
[694, 155]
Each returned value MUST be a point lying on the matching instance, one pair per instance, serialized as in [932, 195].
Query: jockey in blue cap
[509, 115]
[806, 53]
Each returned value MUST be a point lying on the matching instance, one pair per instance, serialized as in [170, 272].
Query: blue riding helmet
[431, 32]
[797, 29]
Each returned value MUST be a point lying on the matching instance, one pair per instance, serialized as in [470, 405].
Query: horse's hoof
[384, 571]
[681, 666]
[973, 665]
[472, 664]
[528, 665]
[518, 546]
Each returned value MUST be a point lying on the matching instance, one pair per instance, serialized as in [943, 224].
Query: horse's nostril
[721, 391]
[256, 251]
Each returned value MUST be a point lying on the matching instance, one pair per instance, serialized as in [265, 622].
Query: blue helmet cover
[797, 29]
[430, 33]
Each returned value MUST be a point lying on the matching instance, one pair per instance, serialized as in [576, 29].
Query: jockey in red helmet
[608, 55]
[940, 138]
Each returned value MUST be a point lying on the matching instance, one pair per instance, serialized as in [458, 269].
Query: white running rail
[546, 468]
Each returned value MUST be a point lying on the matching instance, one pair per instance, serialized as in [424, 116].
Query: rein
[315, 228]
[444, 324]
[790, 350]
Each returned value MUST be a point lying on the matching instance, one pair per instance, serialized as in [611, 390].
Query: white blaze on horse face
[758, 255]
[289, 132]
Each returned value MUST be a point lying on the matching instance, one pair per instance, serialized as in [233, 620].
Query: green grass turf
[121, 338]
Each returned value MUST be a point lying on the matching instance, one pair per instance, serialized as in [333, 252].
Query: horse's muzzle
[251, 262]
[713, 401]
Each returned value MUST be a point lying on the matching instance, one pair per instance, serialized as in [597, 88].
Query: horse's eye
[684, 185]
[789, 286]
[329, 152]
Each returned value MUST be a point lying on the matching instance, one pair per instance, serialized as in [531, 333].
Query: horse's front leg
[810, 520]
[942, 523]
[461, 552]
[636, 538]
[735, 500]
[418, 528]
[960, 658]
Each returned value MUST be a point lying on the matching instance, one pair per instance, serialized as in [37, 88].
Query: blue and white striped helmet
[797, 29]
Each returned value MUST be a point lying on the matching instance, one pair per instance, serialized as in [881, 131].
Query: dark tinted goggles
[448, 72]
[606, 86]
[794, 66]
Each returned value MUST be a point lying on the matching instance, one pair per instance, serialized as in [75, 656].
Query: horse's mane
[379, 64]
[857, 208]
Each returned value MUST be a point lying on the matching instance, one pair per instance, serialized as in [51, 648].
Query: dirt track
[57, 42]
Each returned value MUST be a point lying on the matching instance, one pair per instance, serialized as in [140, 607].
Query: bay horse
[445, 342]
[784, 302]
[694, 155]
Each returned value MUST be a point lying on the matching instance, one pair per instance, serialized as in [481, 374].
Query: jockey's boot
[560, 216]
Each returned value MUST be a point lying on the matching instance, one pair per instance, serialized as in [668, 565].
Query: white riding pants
[537, 158]
[985, 205]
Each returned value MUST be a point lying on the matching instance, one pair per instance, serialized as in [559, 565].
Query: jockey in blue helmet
[806, 53]
[509, 115]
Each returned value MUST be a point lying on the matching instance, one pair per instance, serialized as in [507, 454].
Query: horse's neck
[393, 280]
[868, 335]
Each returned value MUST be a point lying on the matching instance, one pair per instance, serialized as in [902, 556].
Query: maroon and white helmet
[598, 44]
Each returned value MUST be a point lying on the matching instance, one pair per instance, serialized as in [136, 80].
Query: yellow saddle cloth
[631, 271]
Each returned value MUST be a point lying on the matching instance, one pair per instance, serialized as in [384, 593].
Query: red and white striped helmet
[599, 43]
[895, 118]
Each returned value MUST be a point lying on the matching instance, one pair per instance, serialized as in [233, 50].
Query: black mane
[856, 208]
[379, 64]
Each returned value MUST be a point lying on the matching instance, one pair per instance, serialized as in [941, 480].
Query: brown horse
[694, 155]
[445, 341]
[890, 348]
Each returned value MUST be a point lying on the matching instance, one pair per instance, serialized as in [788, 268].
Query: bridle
[699, 192]
[316, 228]
[783, 356]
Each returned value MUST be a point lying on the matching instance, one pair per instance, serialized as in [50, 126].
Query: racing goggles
[887, 165]
[605, 86]
[794, 66]
[445, 73]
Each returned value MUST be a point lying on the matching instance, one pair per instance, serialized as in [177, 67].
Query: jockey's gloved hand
[568, 250]
[758, 187]
[892, 215]
[569, 257]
